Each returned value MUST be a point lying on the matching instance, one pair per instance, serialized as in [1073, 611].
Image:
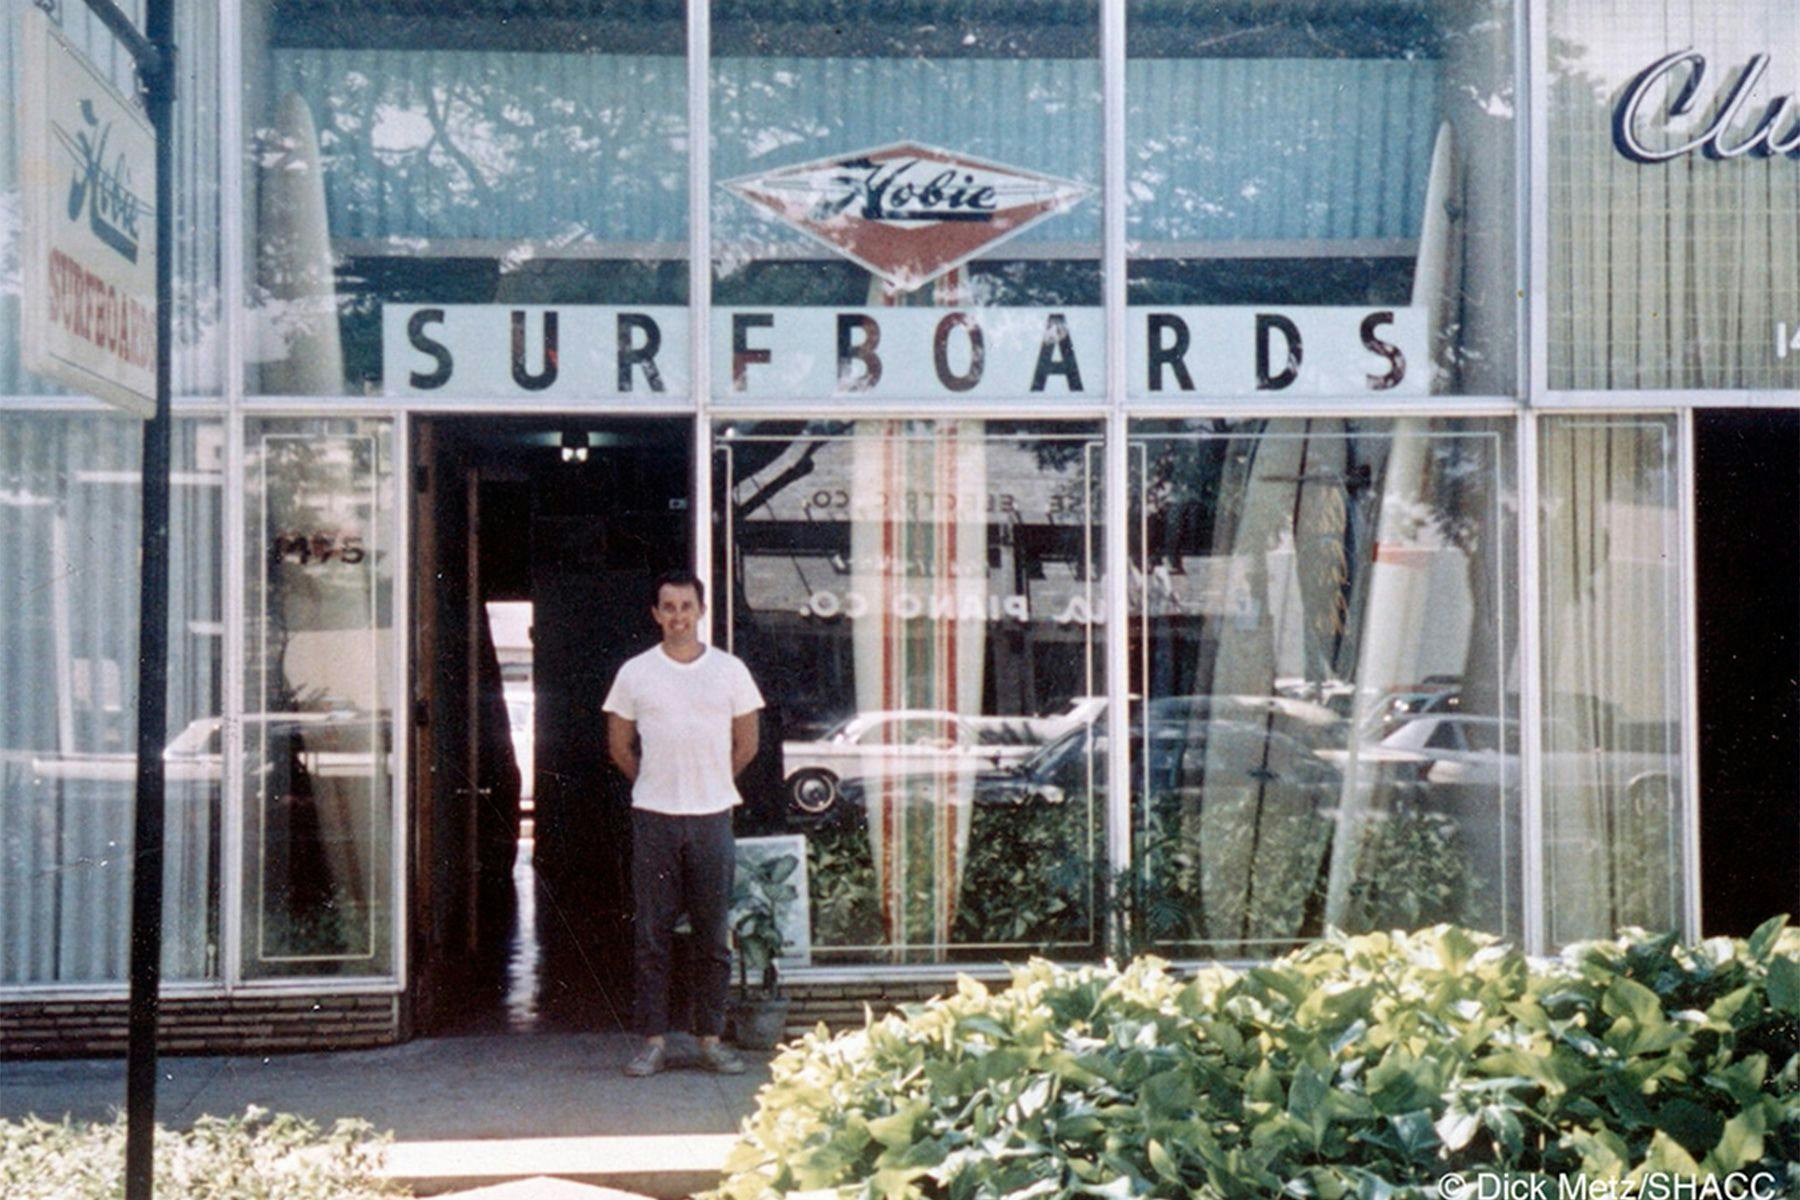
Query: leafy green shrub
[257, 1156]
[1027, 880]
[1357, 1067]
[1411, 871]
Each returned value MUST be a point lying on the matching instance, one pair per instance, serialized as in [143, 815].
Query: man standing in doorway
[681, 723]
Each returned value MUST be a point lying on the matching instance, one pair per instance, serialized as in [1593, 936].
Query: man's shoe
[649, 1060]
[720, 1059]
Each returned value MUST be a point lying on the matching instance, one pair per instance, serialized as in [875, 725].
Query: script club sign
[1660, 115]
[909, 212]
[87, 166]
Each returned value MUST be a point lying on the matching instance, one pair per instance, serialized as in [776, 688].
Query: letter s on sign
[440, 353]
[1396, 360]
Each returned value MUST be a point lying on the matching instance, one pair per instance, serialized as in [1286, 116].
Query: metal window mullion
[1692, 914]
[1531, 699]
[1533, 157]
[234, 570]
[699, 97]
[1117, 507]
[1531, 153]
[400, 737]
[236, 579]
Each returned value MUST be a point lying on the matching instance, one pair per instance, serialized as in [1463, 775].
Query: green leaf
[1604, 1154]
[1627, 1100]
[1306, 1098]
[1726, 1007]
[1741, 1144]
[1505, 1127]
[1079, 1129]
[894, 1130]
[1457, 1128]
[1784, 985]
[1168, 1095]
[1161, 1163]
[987, 1027]
[1263, 1084]
[1454, 948]
[1666, 1154]
[778, 869]
[1116, 1188]
[1763, 940]
[1414, 1135]
[1628, 997]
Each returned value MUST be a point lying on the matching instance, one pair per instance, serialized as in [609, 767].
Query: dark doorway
[520, 911]
[1747, 564]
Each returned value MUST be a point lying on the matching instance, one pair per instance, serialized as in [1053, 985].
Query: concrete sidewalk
[463, 1111]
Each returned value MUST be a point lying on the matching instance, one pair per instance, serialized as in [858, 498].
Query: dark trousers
[681, 864]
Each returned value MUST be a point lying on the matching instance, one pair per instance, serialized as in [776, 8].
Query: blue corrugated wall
[569, 148]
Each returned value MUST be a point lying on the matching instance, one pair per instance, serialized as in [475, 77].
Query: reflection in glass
[919, 602]
[1612, 685]
[1320, 628]
[878, 160]
[1356, 157]
[318, 734]
[425, 155]
[1674, 260]
[70, 519]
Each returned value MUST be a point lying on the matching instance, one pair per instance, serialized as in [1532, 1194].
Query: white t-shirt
[683, 713]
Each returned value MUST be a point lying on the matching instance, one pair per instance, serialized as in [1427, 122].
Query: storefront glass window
[196, 315]
[1611, 599]
[922, 605]
[1322, 635]
[1674, 203]
[875, 162]
[465, 201]
[1321, 198]
[70, 518]
[318, 727]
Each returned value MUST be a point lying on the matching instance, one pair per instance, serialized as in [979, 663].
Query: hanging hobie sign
[908, 212]
[87, 171]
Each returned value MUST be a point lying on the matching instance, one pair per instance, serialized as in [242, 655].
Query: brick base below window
[256, 1025]
[841, 1005]
[221, 1025]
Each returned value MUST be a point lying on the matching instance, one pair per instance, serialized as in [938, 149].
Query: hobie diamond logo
[908, 212]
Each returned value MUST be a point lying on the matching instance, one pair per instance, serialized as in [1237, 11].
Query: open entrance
[535, 541]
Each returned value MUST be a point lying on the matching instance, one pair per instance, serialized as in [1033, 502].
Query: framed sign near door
[774, 868]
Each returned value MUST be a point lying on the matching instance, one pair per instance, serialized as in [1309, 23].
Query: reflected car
[1398, 707]
[1179, 760]
[325, 744]
[874, 745]
[1462, 750]
[1308, 722]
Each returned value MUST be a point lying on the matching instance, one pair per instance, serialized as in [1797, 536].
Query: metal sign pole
[153, 51]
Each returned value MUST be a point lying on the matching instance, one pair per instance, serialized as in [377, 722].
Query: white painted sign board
[87, 172]
[557, 352]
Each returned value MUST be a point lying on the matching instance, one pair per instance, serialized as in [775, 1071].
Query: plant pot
[758, 1024]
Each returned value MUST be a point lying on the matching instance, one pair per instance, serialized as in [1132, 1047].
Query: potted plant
[759, 1017]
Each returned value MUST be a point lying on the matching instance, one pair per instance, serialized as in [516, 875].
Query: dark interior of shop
[523, 916]
[1747, 571]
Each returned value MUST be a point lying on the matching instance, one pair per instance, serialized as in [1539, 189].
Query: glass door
[318, 726]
